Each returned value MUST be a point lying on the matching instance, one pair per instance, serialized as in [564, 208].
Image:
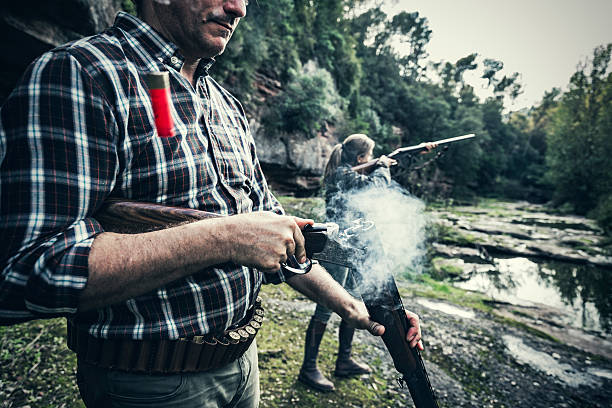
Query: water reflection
[582, 286]
[583, 292]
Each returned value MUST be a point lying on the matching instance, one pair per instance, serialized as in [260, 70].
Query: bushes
[306, 104]
[603, 214]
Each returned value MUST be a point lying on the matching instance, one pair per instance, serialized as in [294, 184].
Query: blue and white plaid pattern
[78, 129]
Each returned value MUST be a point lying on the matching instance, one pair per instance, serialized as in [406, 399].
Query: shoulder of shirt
[98, 53]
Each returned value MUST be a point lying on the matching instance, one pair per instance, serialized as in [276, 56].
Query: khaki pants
[235, 385]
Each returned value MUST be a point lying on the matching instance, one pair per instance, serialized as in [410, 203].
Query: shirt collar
[156, 45]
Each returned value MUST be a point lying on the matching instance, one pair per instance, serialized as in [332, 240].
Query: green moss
[449, 235]
[511, 322]
[38, 368]
[442, 268]
[519, 313]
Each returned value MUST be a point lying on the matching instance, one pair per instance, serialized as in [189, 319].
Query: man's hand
[414, 333]
[360, 319]
[263, 240]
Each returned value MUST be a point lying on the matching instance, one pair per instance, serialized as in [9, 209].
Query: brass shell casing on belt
[255, 324]
[244, 336]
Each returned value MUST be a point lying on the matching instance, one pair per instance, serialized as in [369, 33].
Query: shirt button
[174, 60]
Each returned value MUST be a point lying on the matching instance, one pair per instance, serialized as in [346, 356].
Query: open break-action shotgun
[323, 242]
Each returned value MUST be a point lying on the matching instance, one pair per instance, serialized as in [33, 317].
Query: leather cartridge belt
[185, 355]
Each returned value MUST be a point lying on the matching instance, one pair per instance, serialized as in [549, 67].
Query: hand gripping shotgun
[323, 242]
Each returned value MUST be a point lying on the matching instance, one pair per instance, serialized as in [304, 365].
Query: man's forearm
[319, 286]
[122, 266]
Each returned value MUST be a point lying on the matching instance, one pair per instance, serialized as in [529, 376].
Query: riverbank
[475, 358]
[480, 351]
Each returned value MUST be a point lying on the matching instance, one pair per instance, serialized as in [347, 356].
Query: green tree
[580, 137]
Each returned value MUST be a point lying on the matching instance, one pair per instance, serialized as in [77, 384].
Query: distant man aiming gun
[365, 166]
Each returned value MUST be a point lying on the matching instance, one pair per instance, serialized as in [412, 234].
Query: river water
[581, 294]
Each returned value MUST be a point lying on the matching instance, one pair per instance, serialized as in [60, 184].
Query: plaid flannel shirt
[79, 128]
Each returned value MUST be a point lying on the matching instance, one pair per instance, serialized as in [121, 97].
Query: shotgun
[384, 304]
[323, 242]
[371, 165]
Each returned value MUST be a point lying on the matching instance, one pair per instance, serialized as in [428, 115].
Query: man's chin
[211, 49]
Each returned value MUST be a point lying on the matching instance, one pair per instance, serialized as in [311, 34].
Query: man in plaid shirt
[79, 129]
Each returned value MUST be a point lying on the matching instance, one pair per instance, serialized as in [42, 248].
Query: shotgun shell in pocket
[159, 91]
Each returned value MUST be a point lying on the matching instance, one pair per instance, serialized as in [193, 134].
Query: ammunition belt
[185, 355]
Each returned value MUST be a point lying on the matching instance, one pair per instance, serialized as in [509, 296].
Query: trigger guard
[302, 268]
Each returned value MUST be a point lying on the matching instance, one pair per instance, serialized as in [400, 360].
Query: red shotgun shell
[159, 90]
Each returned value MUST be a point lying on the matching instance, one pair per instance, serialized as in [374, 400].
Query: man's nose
[236, 8]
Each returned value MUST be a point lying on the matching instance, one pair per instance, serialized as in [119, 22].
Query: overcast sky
[543, 40]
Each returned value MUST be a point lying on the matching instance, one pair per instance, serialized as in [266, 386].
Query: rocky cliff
[292, 163]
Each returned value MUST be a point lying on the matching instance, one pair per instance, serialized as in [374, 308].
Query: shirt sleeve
[58, 162]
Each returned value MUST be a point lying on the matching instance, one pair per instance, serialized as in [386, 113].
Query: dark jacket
[344, 181]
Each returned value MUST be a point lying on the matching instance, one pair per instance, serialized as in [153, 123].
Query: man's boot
[309, 373]
[345, 365]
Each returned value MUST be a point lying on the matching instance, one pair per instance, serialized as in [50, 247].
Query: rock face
[293, 164]
[30, 28]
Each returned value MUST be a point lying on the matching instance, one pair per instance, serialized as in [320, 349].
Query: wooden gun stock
[131, 217]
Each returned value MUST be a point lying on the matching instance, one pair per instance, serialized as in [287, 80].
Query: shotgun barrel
[370, 165]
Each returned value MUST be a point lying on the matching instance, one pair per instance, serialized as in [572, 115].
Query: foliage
[603, 213]
[579, 139]
[307, 103]
[311, 208]
[129, 6]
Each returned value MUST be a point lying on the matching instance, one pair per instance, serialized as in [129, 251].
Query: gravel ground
[476, 359]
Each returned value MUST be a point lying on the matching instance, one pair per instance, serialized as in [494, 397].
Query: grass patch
[425, 286]
[38, 369]
[281, 350]
[313, 208]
